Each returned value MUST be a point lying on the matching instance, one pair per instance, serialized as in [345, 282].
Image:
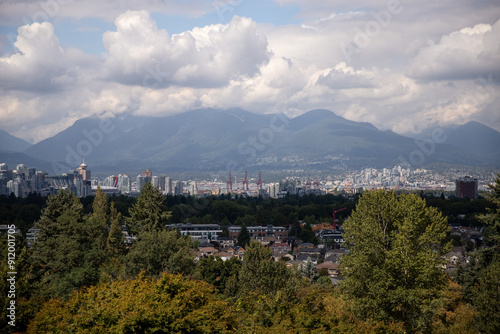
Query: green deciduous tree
[485, 272]
[260, 273]
[171, 304]
[393, 269]
[159, 251]
[216, 271]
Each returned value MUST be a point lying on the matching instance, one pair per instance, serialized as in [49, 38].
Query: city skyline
[24, 180]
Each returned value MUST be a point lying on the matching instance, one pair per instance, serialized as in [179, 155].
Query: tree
[308, 270]
[114, 243]
[392, 271]
[307, 234]
[244, 237]
[170, 304]
[160, 251]
[99, 220]
[486, 298]
[215, 271]
[260, 273]
[100, 207]
[67, 254]
[148, 213]
[492, 218]
[485, 290]
[296, 229]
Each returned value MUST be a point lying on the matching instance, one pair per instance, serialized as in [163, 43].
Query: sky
[401, 65]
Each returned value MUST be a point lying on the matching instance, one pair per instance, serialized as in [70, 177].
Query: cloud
[141, 54]
[40, 63]
[465, 54]
[29, 11]
[345, 77]
[401, 81]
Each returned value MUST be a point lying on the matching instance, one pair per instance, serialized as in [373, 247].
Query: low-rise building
[260, 232]
[200, 232]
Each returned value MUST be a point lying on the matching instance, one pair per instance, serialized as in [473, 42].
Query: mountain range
[209, 139]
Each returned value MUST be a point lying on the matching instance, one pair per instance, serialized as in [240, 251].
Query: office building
[179, 188]
[155, 182]
[169, 186]
[466, 187]
[124, 184]
[141, 181]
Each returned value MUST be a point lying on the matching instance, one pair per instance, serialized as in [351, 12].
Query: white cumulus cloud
[141, 54]
[465, 54]
[39, 64]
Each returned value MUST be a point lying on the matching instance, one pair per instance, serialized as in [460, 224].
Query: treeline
[80, 276]
[225, 210]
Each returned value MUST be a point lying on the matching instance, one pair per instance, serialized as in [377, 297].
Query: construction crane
[259, 182]
[229, 183]
[245, 181]
[334, 212]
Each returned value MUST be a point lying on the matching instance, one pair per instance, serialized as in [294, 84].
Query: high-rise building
[161, 183]
[36, 182]
[111, 181]
[141, 181]
[169, 186]
[124, 184]
[155, 182]
[16, 187]
[194, 189]
[83, 188]
[3, 167]
[22, 171]
[466, 187]
[179, 188]
[274, 189]
[82, 170]
[147, 173]
[31, 172]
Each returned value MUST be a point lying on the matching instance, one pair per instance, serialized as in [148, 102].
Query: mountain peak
[319, 113]
[311, 117]
[11, 143]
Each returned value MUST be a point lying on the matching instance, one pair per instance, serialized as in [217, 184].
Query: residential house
[333, 268]
[236, 251]
[280, 247]
[207, 251]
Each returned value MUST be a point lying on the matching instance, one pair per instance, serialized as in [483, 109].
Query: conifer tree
[99, 221]
[148, 213]
[114, 242]
[65, 256]
[244, 237]
[100, 208]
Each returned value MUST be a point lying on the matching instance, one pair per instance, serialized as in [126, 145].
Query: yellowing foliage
[171, 304]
